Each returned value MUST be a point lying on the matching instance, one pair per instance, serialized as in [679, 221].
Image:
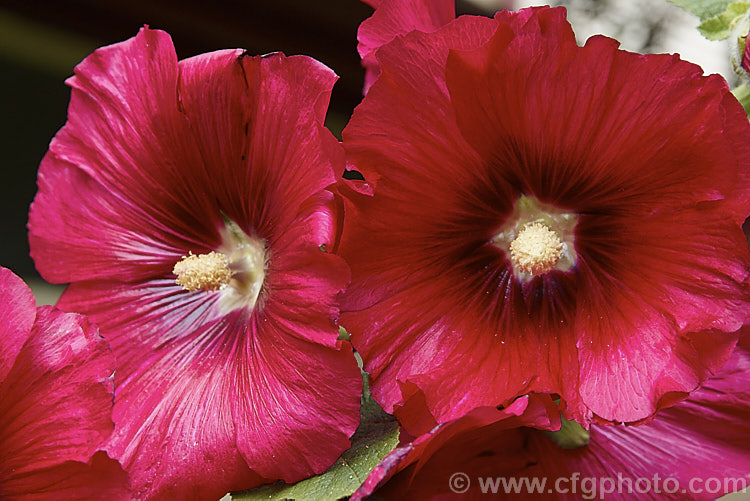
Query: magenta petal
[261, 406]
[701, 438]
[55, 414]
[100, 478]
[305, 279]
[17, 314]
[696, 449]
[257, 123]
[111, 167]
[408, 132]
[58, 395]
[277, 420]
[398, 17]
[421, 469]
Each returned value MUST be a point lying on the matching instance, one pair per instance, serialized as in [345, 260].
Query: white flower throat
[236, 269]
[537, 238]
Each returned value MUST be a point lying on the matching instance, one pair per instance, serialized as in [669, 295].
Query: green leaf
[343, 334]
[720, 26]
[571, 435]
[376, 436]
[742, 93]
[704, 9]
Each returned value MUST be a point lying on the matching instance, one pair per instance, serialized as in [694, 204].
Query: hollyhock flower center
[536, 249]
[237, 269]
[208, 272]
[538, 238]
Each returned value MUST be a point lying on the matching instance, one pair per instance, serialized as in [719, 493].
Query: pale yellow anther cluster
[208, 272]
[536, 250]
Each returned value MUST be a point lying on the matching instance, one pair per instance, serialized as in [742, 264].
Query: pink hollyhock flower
[397, 17]
[543, 217]
[696, 449]
[185, 203]
[55, 402]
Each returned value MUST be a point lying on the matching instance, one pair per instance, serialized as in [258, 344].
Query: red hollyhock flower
[184, 202]
[543, 217]
[55, 402]
[397, 17]
[699, 445]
